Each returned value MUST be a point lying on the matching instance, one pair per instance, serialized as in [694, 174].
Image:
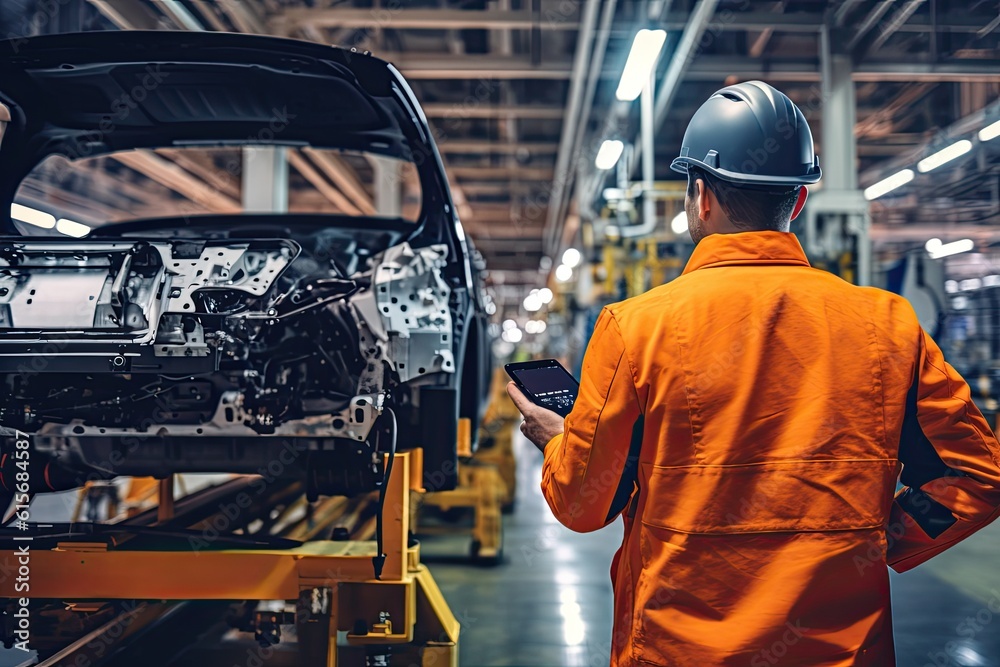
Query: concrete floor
[549, 604]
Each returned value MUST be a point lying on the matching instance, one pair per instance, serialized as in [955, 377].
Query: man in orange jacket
[771, 407]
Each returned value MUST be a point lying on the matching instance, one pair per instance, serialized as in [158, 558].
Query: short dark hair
[749, 208]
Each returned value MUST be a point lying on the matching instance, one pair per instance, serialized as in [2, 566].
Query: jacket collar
[746, 248]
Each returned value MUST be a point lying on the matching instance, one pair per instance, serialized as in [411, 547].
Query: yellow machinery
[331, 582]
[487, 481]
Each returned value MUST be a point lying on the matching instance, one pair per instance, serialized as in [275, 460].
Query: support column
[388, 186]
[837, 214]
[265, 179]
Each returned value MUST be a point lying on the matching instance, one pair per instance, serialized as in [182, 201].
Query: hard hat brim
[681, 164]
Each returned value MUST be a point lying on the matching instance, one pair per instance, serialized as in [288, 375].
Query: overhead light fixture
[32, 216]
[563, 273]
[990, 132]
[641, 60]
[545, 294]
[970, 284]
[512, 335]
[572, 258]
[608, 154]
[887, 185]
[947, 249]
[534, 326]
[509, 324]
[532, 303]
[944, 155]
[679, 224]
[72, 228]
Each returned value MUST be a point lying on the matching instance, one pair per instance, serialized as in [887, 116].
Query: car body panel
[201, 343]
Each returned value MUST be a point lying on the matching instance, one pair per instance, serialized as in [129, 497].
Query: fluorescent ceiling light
[534, 326]
[563, 273]
[971, 284]
[608, 154]
[944, 155]
[72, 228]
[947, 249]
[32, 216]
[887, 185]
[641, 60]
[572, 258]
[989, 132]
[679, 224]
[512, 335]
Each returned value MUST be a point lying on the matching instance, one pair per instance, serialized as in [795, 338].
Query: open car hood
[92, 93]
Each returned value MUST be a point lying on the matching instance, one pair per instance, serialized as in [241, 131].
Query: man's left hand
[540, 425]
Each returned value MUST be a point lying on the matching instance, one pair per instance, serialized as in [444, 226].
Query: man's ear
[704, 200]
[800, 202]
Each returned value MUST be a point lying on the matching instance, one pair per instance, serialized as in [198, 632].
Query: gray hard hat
[750, 134]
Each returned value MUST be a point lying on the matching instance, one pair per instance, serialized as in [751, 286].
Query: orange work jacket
[774, 407]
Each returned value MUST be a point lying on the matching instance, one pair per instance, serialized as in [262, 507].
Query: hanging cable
[378, 561]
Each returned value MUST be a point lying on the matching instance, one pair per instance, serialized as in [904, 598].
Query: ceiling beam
[963, 128]
[870, 21]
[208, 12]
[311, 174]
[461, 110]
[343, 177]
[502, 173]
[201, 165]
[441, 66]
[294, 18]
[178, 179]
[895, 23]
[476, 146]
[764, 37]
[128, 14]
[704, 68]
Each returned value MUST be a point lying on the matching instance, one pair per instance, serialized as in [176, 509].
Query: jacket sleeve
[951, 465]
[583, 467]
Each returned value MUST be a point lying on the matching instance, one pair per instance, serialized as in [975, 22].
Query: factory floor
[549, 603]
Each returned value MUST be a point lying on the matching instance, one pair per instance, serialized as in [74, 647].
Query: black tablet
[545, 383]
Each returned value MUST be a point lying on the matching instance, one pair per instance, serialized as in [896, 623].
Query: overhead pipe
[897, 21]
[874, 16]
[563, 172]
[687, 49]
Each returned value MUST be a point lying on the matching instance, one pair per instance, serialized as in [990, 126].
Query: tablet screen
[551, 387]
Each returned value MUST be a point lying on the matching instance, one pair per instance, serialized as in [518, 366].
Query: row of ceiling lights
[641, 60]
[512, 333]
[33, 216]
[930, 163]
